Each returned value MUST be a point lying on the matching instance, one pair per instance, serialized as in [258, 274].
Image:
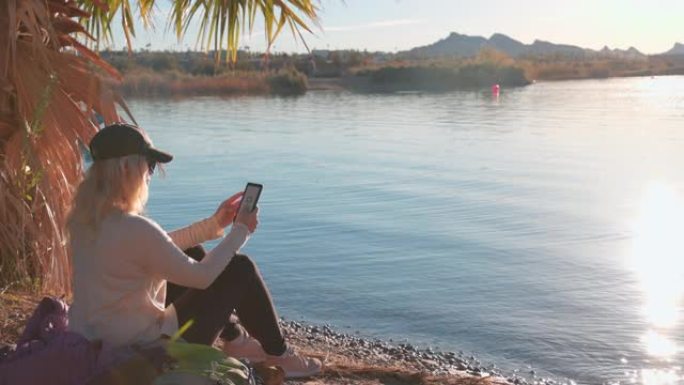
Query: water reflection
[659, 346]
[659, 262]
[661, 376]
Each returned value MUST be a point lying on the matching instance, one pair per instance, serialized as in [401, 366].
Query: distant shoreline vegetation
[436, 79]
[145, 83]
[178, 74]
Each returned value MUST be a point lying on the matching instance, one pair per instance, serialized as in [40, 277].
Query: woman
[123, 260]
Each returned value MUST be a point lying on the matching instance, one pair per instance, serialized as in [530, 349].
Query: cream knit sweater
[119, 277]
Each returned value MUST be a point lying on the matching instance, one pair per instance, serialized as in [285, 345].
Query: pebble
[428, 359]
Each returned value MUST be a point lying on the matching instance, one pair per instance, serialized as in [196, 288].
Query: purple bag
[47, 353]
[50, 317]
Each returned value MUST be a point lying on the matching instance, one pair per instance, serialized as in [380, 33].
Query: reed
[288, 82]
[147, 83]
[173, 84]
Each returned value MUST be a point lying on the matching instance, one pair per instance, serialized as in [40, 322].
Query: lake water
[541, 230]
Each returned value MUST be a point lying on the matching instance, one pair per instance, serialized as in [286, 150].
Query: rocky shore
[352, 359]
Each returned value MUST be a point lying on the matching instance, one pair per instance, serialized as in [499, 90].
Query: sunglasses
[151, 165]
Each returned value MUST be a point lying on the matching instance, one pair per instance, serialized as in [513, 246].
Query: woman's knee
[240, 269]
[243, 263]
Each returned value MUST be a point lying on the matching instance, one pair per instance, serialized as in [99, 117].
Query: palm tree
[53, 89]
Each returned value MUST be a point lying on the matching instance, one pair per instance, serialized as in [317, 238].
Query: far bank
[170, 74]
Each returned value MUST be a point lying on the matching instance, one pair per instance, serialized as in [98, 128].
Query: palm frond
[52, 89]
[221, 21]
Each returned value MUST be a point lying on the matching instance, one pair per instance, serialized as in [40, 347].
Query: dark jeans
[238, 291]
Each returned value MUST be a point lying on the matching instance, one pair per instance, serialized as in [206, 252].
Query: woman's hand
[248, 218]
[226, 212]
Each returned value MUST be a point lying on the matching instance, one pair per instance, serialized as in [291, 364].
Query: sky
[652, 26]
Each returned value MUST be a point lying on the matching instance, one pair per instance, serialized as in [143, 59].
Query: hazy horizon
[396, 25]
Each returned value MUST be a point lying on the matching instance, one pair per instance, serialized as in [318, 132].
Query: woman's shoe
[245, 346]
[294, 364]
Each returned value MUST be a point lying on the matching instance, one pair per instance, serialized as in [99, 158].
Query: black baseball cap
[121, 139]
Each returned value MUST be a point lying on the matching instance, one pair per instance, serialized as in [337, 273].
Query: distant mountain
[540, 47]
[454, 45]
[678, 49]
[506, 44]
[458, 45]
[630, 53]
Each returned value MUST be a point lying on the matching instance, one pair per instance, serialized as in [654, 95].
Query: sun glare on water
[658, 260]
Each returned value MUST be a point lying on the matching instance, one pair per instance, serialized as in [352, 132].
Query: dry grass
[15, 308]
[345, 370]
[147, 83]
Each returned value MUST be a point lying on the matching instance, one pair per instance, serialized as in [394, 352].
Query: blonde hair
[109, 186]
